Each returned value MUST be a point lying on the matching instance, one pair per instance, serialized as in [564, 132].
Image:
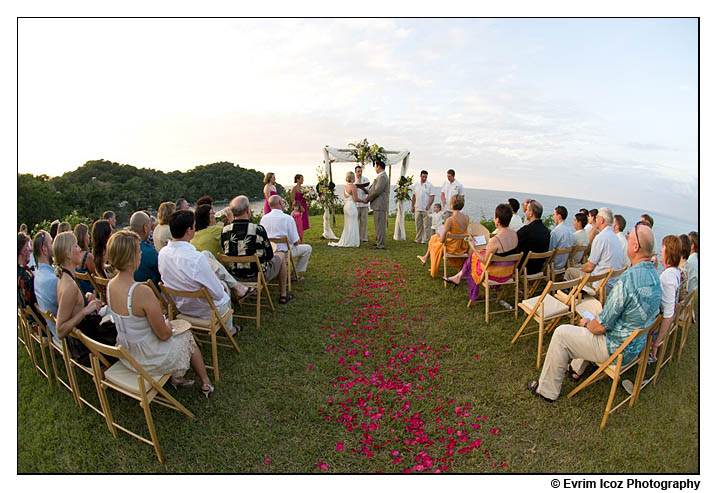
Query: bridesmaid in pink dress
[298, 198]
[269, 189]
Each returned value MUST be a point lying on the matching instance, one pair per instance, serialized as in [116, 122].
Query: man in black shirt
[534, 236]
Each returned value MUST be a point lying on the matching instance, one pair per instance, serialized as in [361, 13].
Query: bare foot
[421, 259]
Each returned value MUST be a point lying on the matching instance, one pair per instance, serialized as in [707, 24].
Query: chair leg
[269, 297]
[102, 396]
[443, 259]
[616, 378]
[540, 344]
[150, 423]
[487, 290]
[215, 358]
[521, 329]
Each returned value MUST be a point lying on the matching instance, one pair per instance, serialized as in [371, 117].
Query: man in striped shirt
[632, 304]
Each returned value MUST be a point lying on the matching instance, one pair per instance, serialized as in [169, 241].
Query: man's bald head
[137, 224]
[275, 202]
[239, 205]
[640, 243]
[645, 237]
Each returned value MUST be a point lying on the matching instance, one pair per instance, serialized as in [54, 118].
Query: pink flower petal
[309, 367]
[267, 460]
[340, 446]
[322, 466]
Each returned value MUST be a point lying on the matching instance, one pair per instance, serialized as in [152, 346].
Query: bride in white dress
[350, 234]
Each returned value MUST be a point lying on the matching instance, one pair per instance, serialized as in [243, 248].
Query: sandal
[180, 382]
[423, 262]
[249, 292]
[298, 279]
[283, 300]
[572, 375]
[532, 386]
[449, 281]
[207, 389]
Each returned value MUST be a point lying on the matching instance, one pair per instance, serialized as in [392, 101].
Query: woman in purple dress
[298, 198]
[269, 189]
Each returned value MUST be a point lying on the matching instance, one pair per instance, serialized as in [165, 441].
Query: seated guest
[137, 313]
[25, 278]
[147, 268]
[74, 310]
[692, 262]
[111, 218]
[162, 234]
[457, 224]
[561, 236]
[101, 232]
[53, 228]
[647, 220]
[534, 236]
[31, 263]
[278, 224]
[150, 241]
[619, 224]
[64, 226]
[683, 266]
[181, 205]
[45, 279]
[204, 199]
[591, 224]
[208, 235]
[606, 251]
[632, 304]
[242, 237]
[82, 235]
[183, 268]
[524, 207]
[504, 242]
[516, 222]
[670, 283]
[580, 238]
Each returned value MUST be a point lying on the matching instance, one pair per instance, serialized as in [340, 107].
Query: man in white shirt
[421, 201]
[580, 238]
[619, 224]
[606, 251]
[362, 183]
[450, 188]
[183, 268]
[692, 268]
[516, 222]
[277, 224]
[561, 236]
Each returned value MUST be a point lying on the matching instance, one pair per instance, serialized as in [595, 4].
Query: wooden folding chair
[487, 283]
[665, 355]
[598, 292]
[547, 308]
[288, 258]
[135, 383]
[100, 284]
[445, 255]
[158, 294]
[532, 281]
[22, 334]
[614, 367]
[559, 272]
[207, 327]
[260, 284]
[574, 253]
[76, 334]
[36, 332]
[63, 351]
[686, 320]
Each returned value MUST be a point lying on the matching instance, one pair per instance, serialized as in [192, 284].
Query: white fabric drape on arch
[342, 155]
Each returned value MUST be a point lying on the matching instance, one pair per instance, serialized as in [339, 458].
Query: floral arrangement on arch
[403, 188]
[362, 151]
[325, 189]
[309, 194]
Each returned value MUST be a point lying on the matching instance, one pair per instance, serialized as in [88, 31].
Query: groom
[379, 199]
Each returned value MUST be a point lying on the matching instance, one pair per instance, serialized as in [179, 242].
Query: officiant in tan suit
[379, 199]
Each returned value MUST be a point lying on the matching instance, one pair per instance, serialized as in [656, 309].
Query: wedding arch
[347, 155]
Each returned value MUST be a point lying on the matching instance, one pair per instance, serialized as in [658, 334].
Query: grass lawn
[425, 378]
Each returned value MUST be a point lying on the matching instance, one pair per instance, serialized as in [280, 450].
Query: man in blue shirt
[561, 236]
[632, 304]
[140, 224]
[45, 279]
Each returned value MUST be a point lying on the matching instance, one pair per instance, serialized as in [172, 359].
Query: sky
[602, 109]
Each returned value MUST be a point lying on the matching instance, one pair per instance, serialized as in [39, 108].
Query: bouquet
[403, 188]
[325, 189]
[363, 150]
[309, 194]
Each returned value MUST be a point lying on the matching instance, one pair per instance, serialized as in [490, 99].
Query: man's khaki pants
[423, 226]
[569, 342]
[363, 221]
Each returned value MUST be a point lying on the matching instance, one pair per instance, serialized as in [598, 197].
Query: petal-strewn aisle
[388, 402]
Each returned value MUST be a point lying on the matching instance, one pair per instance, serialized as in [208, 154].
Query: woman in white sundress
[350, 235]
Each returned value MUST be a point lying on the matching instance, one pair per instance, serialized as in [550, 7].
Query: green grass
[267, 403]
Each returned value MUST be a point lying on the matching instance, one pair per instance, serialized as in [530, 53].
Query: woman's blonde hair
[62, 247]
[64, 226]
[165, 211]
[350, 177]
[122, 249]
[268, 178]
[457, 202]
